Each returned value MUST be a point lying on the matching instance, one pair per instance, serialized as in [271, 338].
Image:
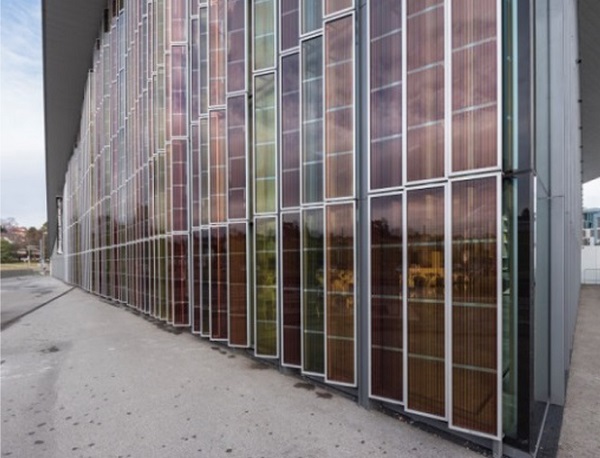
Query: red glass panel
[236, 45]
[217, 51]
[218, 167]
[236, 146]
[292, 290]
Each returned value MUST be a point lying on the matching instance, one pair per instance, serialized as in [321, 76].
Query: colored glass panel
[385, 30]
[386, 297]
[312, 120]
[312, 15]
[290, 131]
[474, 305]
[179, 170]
[264, 34]
[216, 51]
[196, 299]
[339, 107]
[289, 23]
[238, 285]
[236, 45]
[340, 294]
[425, 90]
[180, 304]
[265, 152]
[313, 300]
[334, 6]
[236, 149]
[203, 50]
[426, 301]
[218, 283]
[218, 167]
[206, 285]
[265, 270]
[474, 84]
[291, 288]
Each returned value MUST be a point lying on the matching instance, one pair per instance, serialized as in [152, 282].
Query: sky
[22, 162]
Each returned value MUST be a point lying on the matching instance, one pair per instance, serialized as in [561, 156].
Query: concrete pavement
[580, 436]
[83, 378]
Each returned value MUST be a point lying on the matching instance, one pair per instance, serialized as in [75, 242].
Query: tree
[7, 252]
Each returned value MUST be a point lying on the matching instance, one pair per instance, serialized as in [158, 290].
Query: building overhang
[69, 31]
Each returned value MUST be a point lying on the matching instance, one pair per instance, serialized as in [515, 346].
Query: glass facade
[218, 184]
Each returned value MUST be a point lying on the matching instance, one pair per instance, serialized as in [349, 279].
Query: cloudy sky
[22, 168]
[22, 174]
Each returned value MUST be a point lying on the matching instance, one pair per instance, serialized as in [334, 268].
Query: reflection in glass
[197, 283]
[290, 131]
[265, 153]
[236, 45]
[426, 285]
[474, 305]
[218, 167]
[206, 285]
[312, 120]
[312, 14]
[292, 290]
[339, 107]
[288, 24]
[179, 182]
[425, 90]
[386, 93]
[180, 281]
[313, 291]
[238, 285]
[340, 293]
[217, 52]
[474, 85]
[386, 297]
[204, 172]
[265, 271]
[264, 34]
[218, 283]
[203, 50]
[236, 149]
[333, 6]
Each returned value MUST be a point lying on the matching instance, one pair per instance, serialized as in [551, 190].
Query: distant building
[591, 226]
[383, 196]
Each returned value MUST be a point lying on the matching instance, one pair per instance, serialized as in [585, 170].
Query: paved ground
[83, 378]
[25, 291]
[580, 435]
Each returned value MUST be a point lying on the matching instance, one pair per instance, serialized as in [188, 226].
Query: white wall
[590, 264]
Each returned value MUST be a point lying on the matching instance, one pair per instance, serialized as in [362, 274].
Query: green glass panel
[265, 152]
[266, 286]
[264, 34]
[313, 291]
